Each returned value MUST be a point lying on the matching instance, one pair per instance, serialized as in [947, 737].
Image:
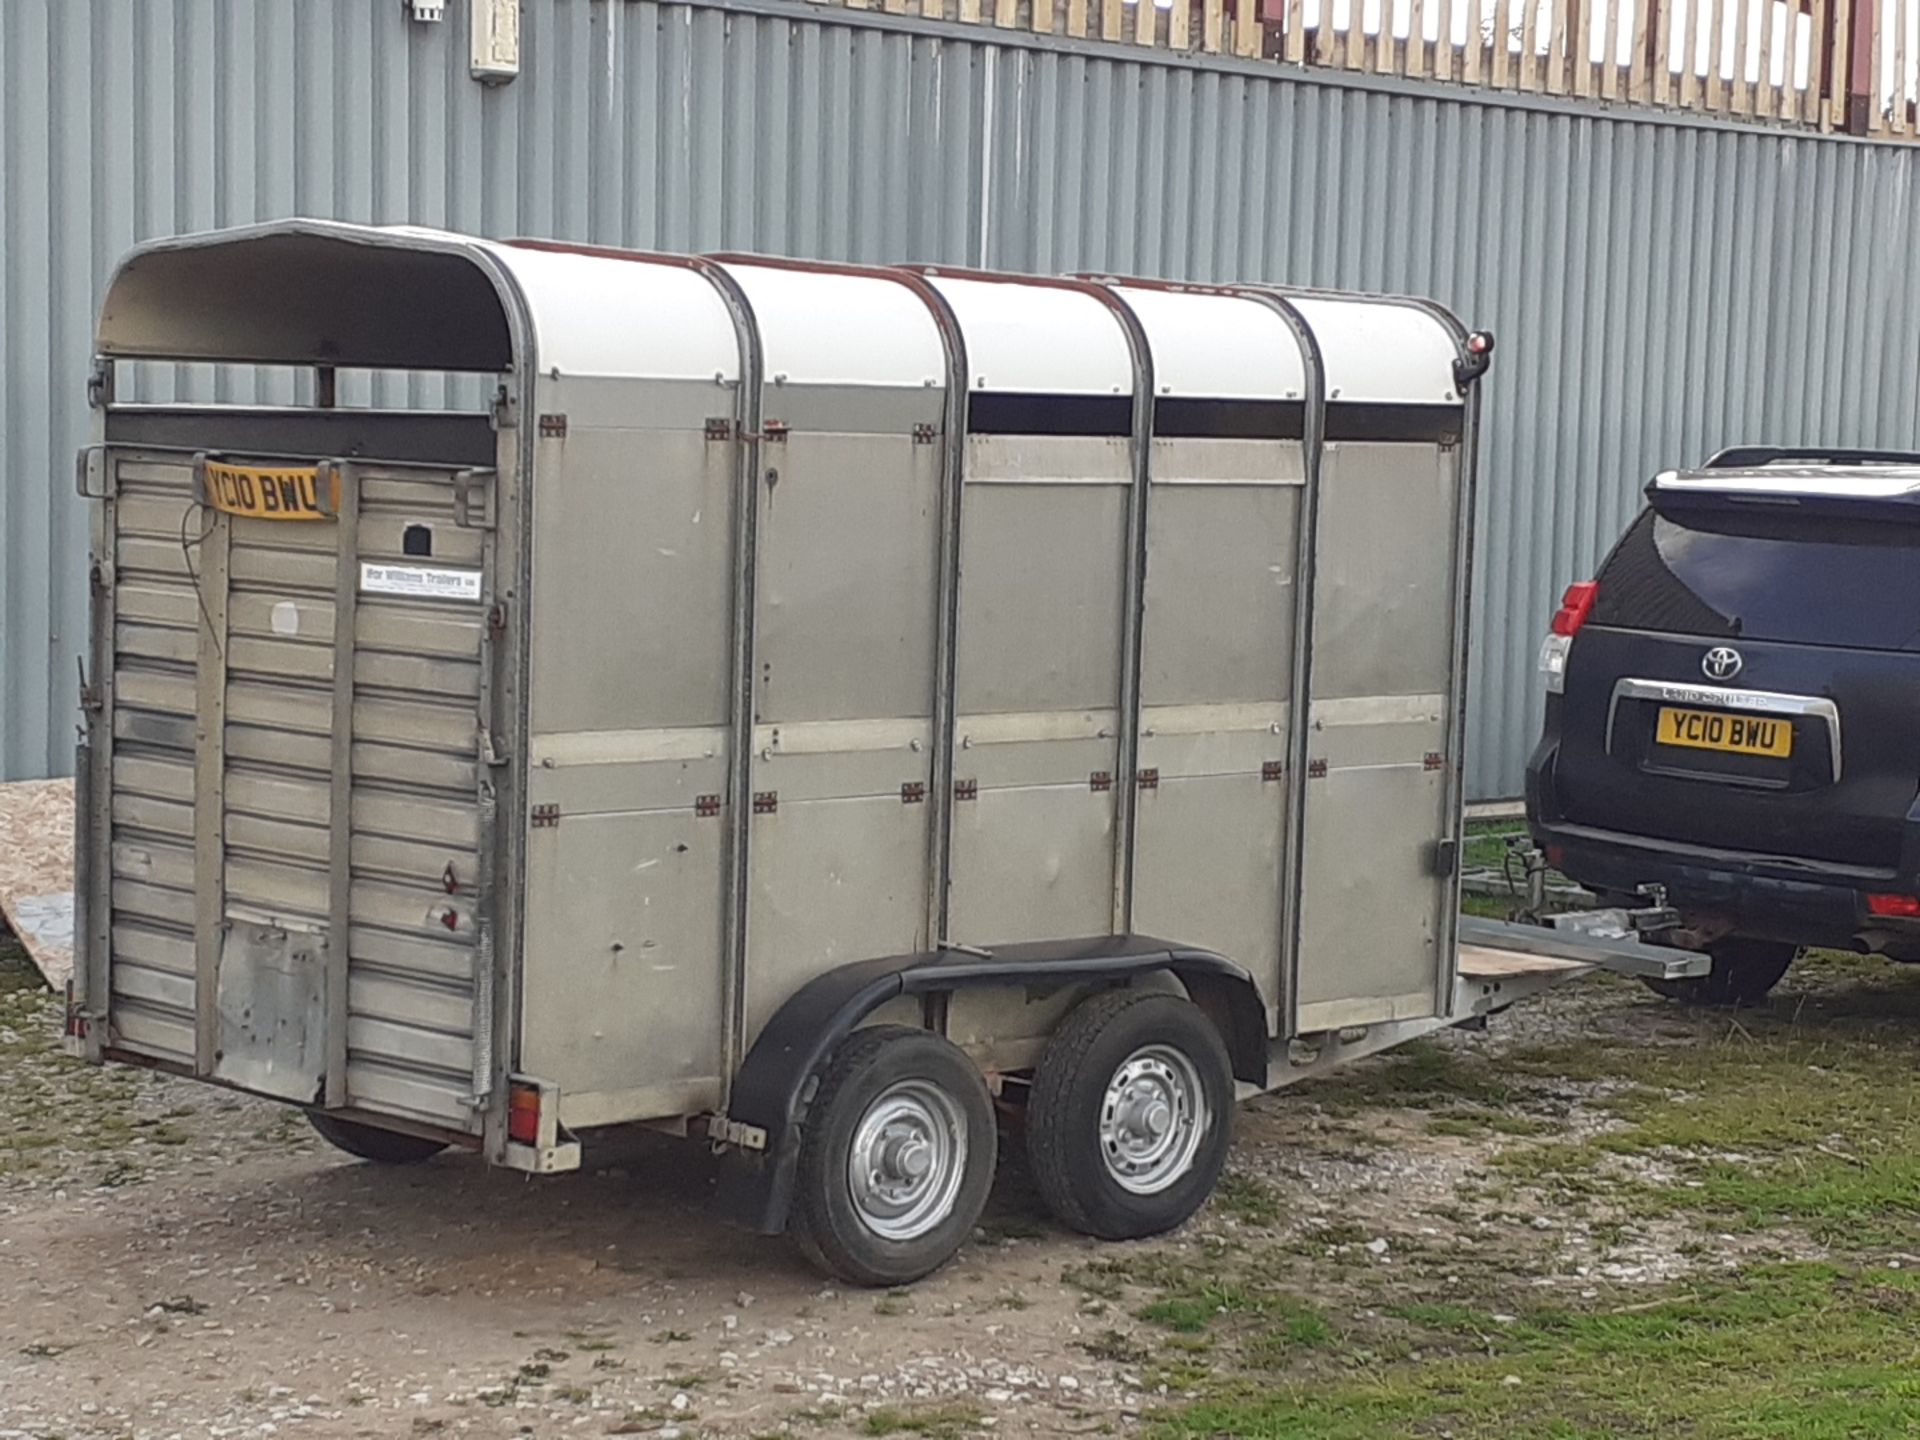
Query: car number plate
[276, 492]
[1733, 734]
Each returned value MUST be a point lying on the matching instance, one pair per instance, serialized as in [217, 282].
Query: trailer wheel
[897, 1157]
[1130, 1115]
[370, 1142]
[1744, 972]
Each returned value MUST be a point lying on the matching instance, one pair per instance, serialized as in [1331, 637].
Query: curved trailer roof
[311, 292]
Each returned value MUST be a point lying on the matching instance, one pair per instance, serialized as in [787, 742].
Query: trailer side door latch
[1446, 857]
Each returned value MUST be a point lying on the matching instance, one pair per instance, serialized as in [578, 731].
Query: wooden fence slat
[894, 7]
[1557, 49]
[1113, 14]
[1146, 22]
[1807, 104]
[1246, 29]
[1180, 25]
[933, 9]
[1503, 11]
[1417, 39]
[1042, 18]
[1530, 45]
[1580, 46]
[1690, 70]
[1446, 55]
[1380, 42]
[1639, 67]
[1742, 102]
[1716, 87]
[1213, 26]
[1006, 13]
[1663, 52]
[1296, 37]
[1356, 37]
[1476, 42]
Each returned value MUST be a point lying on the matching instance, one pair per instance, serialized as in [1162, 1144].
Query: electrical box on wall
[496, 39]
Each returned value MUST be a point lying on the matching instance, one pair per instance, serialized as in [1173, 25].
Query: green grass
[1795, 1126]
[942, 1422]
[1816, 1352]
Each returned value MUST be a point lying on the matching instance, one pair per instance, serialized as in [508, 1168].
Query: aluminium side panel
[622, 972]
[1374, 901]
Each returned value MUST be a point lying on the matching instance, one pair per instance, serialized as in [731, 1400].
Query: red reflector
[523, 1116]
[1556, 856]
[1906, 907]
[1575, 606]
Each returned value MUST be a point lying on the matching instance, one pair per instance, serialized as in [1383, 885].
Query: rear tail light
[523, 1114]
[1899, 907]
[1575, 606]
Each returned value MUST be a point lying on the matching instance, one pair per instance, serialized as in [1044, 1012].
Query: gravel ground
[175, 1261]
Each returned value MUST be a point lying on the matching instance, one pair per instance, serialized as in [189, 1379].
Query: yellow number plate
[270, 492]
[1735, 734]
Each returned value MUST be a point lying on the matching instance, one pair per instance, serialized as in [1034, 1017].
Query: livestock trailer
[822, 710]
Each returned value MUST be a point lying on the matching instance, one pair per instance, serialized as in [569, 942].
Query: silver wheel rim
[1152, 1119]
[908, 1158]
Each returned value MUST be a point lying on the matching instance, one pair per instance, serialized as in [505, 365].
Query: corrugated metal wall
[1660, 287]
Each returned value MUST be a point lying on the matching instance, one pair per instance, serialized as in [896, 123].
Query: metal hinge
[1434, 761]
[966, 789]
[1273, 770]
[766, 802]
[923, 434]
[545, 817]
[1149, 779]
[723, 1131]
[100, 384]
[912, 792]
[1100, 780]
[719, 428]
[553, 427]
[503, 411]
[706, 806]
[497, 617]
[775, 431]
[1316, 769]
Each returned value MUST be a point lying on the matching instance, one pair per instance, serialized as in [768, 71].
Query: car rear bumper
[1766, 897]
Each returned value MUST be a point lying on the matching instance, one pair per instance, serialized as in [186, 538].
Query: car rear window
[1813, 580]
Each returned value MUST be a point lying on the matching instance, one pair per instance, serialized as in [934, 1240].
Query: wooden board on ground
[36, 872]
[1478, 962]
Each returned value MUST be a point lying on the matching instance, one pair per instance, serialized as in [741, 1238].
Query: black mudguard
[774, 1085]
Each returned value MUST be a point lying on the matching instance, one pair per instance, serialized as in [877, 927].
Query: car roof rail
[1753, 457]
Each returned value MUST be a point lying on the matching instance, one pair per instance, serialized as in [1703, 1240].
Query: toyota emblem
[1723, 662]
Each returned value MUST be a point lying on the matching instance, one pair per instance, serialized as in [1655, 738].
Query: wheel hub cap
[1152, 1119]
[907, 1160]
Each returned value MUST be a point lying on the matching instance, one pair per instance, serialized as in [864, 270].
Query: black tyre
[897, 1157]
[1743, 973]
[370, 1142]
[1131, 1114]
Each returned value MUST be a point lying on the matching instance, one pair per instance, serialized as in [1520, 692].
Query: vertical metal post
[746, 520]
[1133, 608]
[210, 778]
[1313, 431]
[346, 594]
[93, 852]
[953, 480]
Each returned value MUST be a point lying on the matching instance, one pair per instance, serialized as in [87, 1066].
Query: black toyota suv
[1733, 713]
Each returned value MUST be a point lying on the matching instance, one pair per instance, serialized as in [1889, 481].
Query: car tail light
[523, 1114]
[1901, 907]
[1575, 606]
